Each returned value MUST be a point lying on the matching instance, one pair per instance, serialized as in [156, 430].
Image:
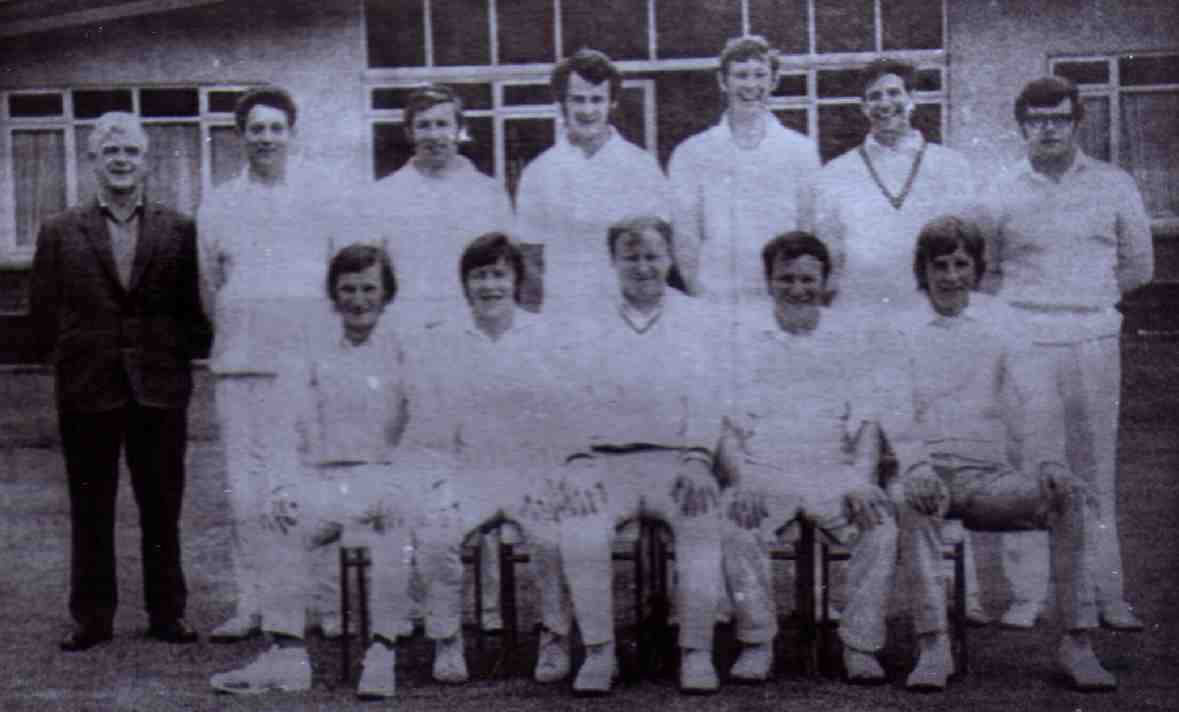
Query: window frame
[1113, 91]
[14, 254]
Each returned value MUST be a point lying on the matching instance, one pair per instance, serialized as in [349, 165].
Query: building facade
[180, 65]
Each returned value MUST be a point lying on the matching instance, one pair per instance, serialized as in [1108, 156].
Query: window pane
[616, 27]
[928, 80]
[1094, 132]
[223, 102]
[461, 32]
[694, 28]
[791, 85]
[396, 33]
[481, 147]
[1142, 71]
[391, 149]
[524, 140]
[525, 31]
[841, 128]
[35, 105]
[1150, 148]
[1083, 72]
[689, 102]
[782, 22]
[845, 26]
[92, 104]
[226, 153]
[85, 170]
[927, 118]
[169, 102]
[911, 24]
[629, 118]
[38, 163]
[174, 165]
[835, 83]
[527, 94]
[793, 119]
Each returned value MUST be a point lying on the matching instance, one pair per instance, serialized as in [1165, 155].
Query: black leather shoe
[177, 631]
[84, 638]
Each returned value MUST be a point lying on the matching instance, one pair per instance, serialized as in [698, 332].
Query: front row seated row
[598, 425]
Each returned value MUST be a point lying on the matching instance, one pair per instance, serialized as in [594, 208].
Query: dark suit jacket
[110, 344]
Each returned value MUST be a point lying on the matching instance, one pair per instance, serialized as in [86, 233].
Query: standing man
[1071, 236]
[435, 204]
[264, 246]
[873, 199]
[116, 301]
[740, 181]
[592, 178]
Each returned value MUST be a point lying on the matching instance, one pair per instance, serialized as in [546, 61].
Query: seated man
[969, 386]
[355, 408]
[646, 405]
[498, 394]
[800, 442]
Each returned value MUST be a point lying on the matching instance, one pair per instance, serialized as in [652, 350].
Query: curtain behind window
[38, 160]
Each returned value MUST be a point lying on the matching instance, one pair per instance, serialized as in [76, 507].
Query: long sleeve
[687, 214]
[46, 291]
[194, 309]
[1135, 243]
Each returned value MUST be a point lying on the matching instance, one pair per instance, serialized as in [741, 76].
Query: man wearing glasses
[1070, 237]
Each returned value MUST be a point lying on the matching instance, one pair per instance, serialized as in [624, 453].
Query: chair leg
[354, 562]
[812, 638]
[478, 595]
[507, 593]
[961, 662]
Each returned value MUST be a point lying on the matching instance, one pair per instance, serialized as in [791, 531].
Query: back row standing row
[1067, 236]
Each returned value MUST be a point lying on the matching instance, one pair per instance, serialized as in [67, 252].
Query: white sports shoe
[378, 678]
[276, 670]
[934, 666]
[450, 660]
[1022, 615]
[754, 663]
[697, 673]
[597, 673]
[237, 628]
[552, 657]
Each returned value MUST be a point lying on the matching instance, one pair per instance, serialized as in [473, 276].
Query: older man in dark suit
[117, 305]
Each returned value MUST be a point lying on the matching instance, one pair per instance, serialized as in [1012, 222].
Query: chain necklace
[895, 200]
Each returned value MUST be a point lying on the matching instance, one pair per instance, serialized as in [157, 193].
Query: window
[667, 47]
[190, 129]
[1131, 102]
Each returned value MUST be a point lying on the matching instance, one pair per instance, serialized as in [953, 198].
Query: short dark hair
[428, 96]
[272, 96]
[593, 66]
[791, 246]
[877, 68]
[635, 226]
[746, 47]
[1047, 92]
[943, 236]
[488, 249]
[358, 257]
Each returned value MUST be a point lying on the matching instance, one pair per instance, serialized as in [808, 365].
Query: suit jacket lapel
[151, 222]
[100, 241]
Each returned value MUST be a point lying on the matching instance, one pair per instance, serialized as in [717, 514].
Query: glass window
[223, 102]
[694, 28]
[481, 146]
[461, 32]
[928, 80]
[612, 26]
[90, 104]
[1150, 148]
[525, 31]
[845, 26]
[629, 117]
[396, 32]
[1144, 71]
[911, 24]
[22, 105]
[226, 154]
[782, 22]
[791, 85]
[1093, 132]
[841, 128]
[927, 118]
[527, 94]
[793, 119]
[169, 102]
[524, 140]
[837, 83]
[391, 148]
[38, 160]
[1084, 72]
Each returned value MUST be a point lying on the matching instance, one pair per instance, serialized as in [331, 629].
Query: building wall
[315, 49]
[996, 46]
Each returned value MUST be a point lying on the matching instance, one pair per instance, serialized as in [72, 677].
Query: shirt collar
[521, 321]
[636, 320]
[909, 145]
[109, 212]
[1081, 162]
[571, 148]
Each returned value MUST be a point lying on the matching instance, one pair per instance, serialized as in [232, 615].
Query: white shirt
[567, 201]
[425, 222]
[730, 201]
[872, 242]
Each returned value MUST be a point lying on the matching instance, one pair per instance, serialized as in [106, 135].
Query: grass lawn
[1010, 670]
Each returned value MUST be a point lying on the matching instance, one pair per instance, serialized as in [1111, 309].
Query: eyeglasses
[1040, 122]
